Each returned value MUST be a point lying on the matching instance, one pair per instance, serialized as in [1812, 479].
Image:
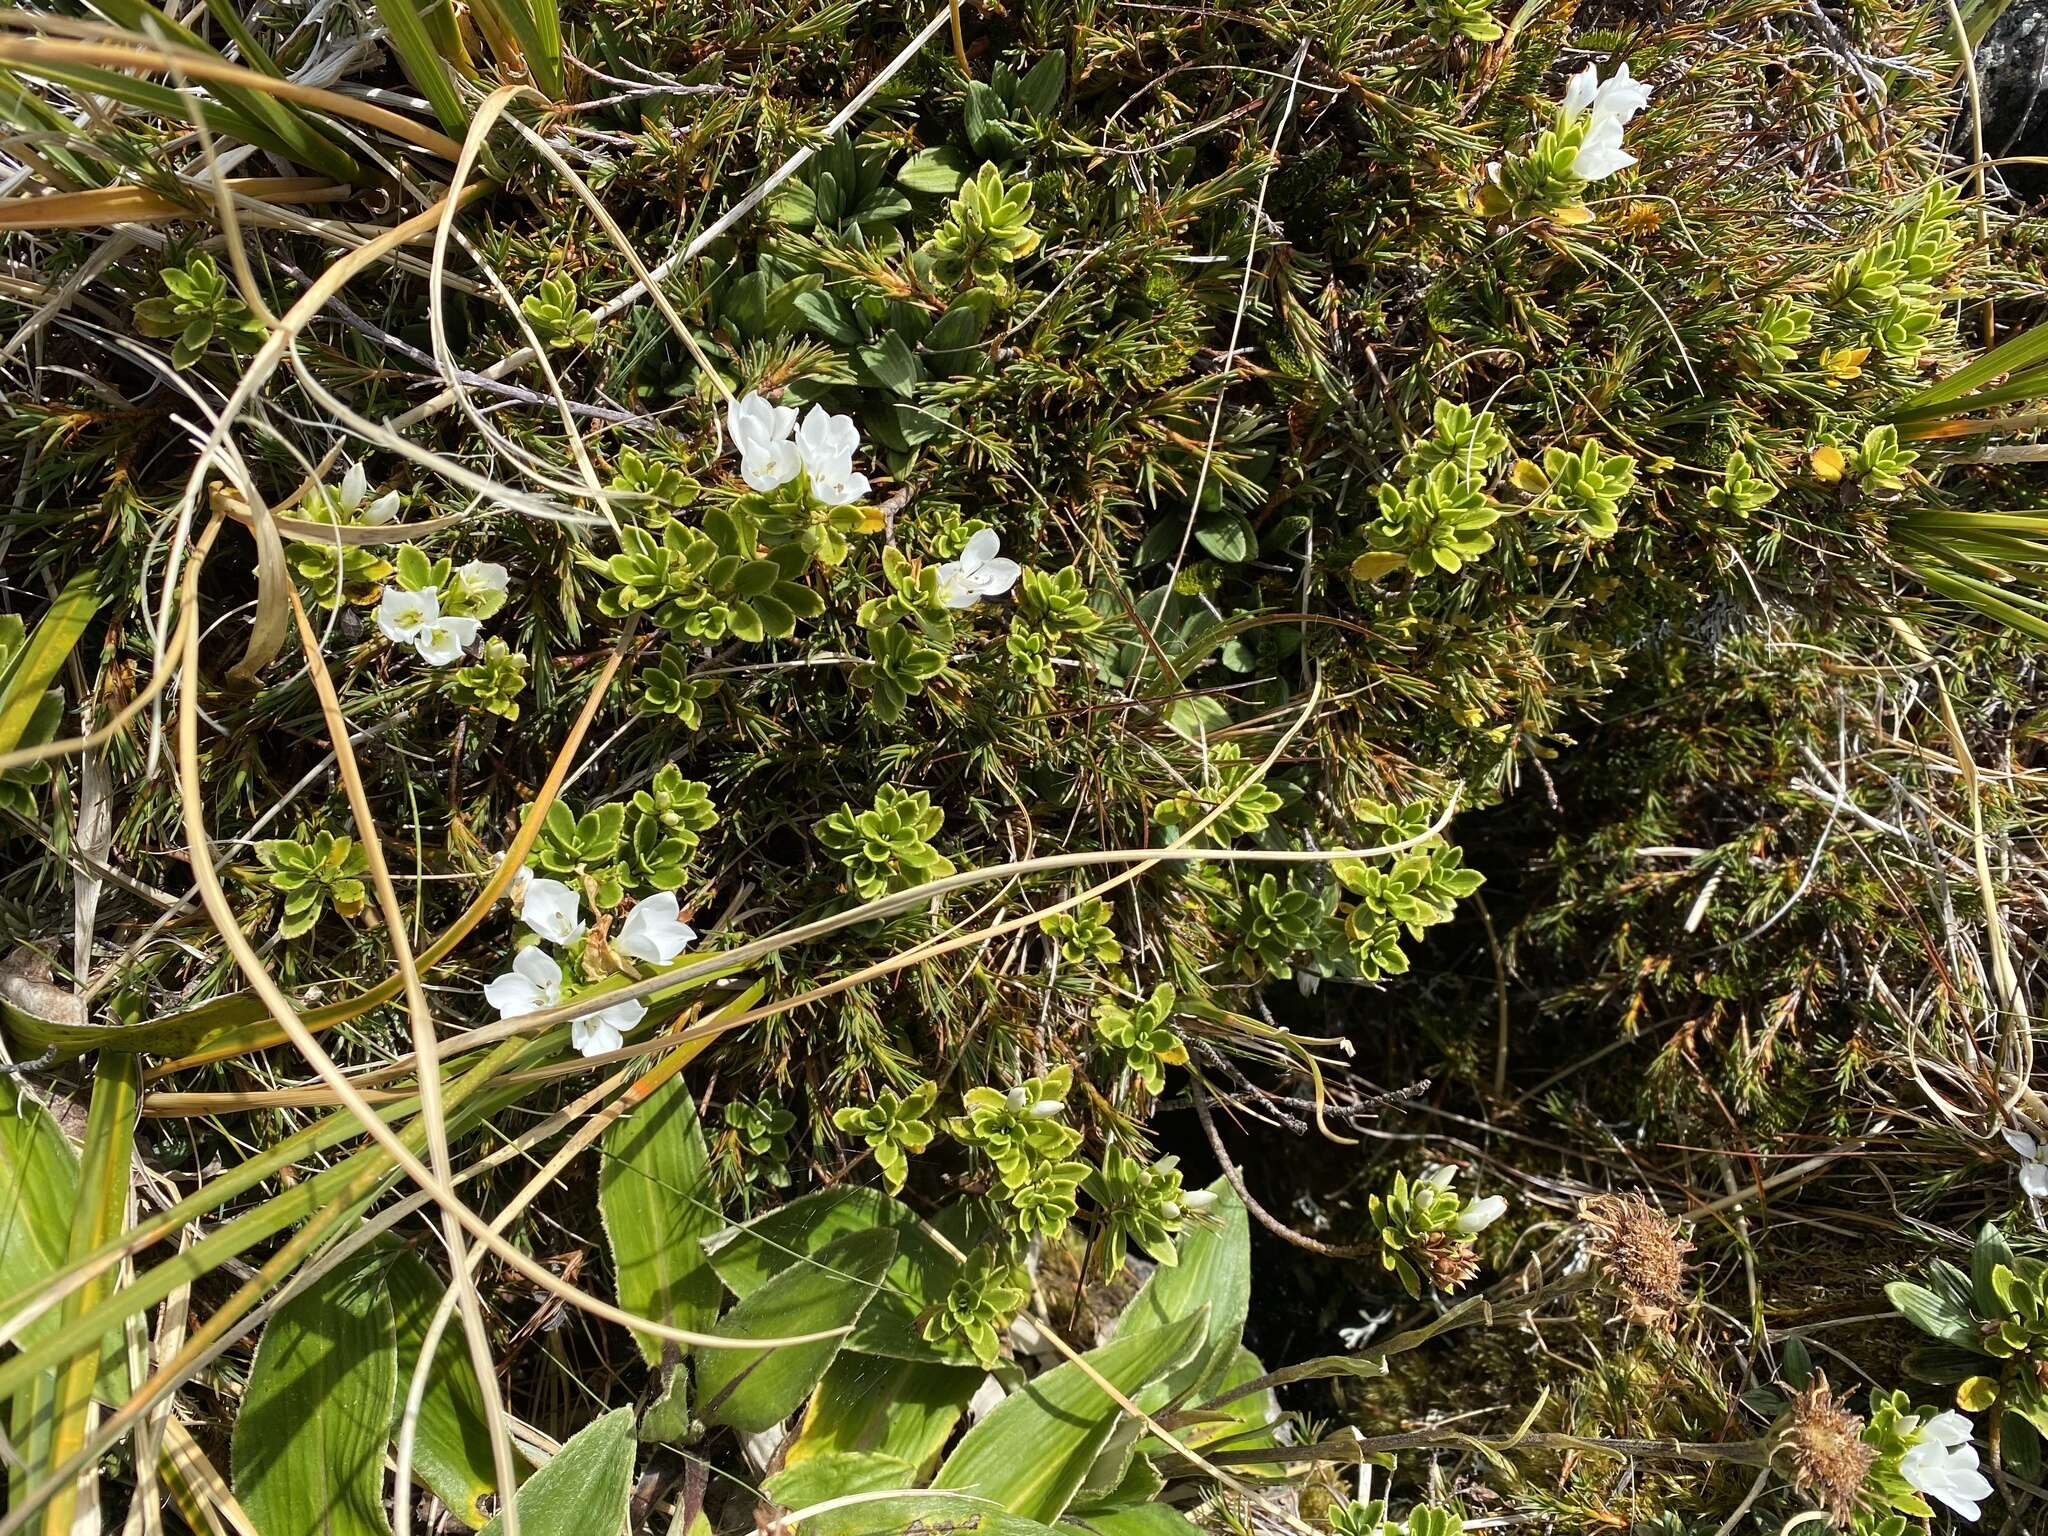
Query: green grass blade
[406, 29]
[2024, 352]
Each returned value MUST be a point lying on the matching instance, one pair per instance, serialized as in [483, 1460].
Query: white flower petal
[1480, 1215]
[652, 931]
[827, 442]
[444, 640]
[2034, 1180]
[402, 615]
[594, 1037]
[1621, 97]
[623, 1017]
[770, 465]
[1948, 1429]
[955, 588]
[998, 576]
[355, 485]
[381, 511]
[533, 983]
[2021, 1143]
[484, 576]
[981, 549]
[840, 488]
[1580, 90]
[549, 908]
[1596, 162]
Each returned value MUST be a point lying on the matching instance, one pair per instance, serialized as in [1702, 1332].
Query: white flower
[533, 983]
[1480, 1215]
[402, 615]
[348, 501]
[840, 486]
[1942, 1464]
[761, 433]
[1601, 154]
[549, 908]
[1048, 1109]
[1610, 104]
[1438, 1175]
[826, 443]
[979, 572]
[653, 933]
[481, 576]
[825, 440]
[445, 639]
[1198, 1200]
[606, 1030]
[2033, 1164]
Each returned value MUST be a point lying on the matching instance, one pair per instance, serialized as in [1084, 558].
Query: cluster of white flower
[2033, 1163]
[347, 503]
[1477, 1215]
[416, 619]
[822, 448]
[981, 571]
[653, 932]
[1610, 103]
[1942, 1464]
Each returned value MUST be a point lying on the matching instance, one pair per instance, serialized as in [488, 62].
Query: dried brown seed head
[1642, 1252]
[1825, 1453]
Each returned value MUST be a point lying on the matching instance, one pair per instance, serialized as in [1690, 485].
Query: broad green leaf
[891, 363]
[656, 1199]
[937, 172]
[754, 1389]
[100, 1212]
[1990, 1251]
[1227, 536]
[1215, 1271]
[748, 1257]
[1039, 91]
[451, 1452]
[583, 1489]
[33, 668]
[835, 1475]
[1933, 1315]
[1032, 1454]
[309, 1440]
[900, 1408]
[38, 1191]
[927, 1514]
[1243, 1423]
[1139, 1520]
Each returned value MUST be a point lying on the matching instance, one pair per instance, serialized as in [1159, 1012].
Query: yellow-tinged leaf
[1375, 563]
[1976, 1394]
